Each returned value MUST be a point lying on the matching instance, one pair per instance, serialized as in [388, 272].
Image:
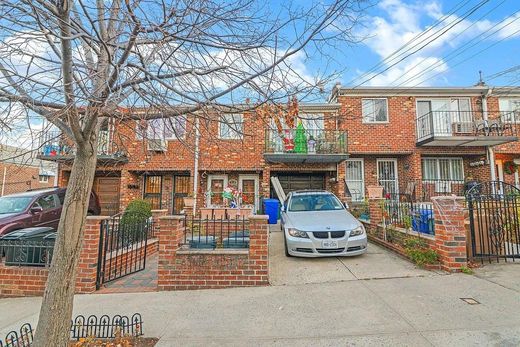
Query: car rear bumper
[312, 248]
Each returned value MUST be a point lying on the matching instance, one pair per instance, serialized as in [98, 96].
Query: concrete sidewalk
[411, 311]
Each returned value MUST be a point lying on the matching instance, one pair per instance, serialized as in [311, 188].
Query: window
[375, 110]
[162, 128]
[442, 169]
[153, 191]
[445, 115]
[314, 202]
[46, 202]
[216, 185]
[355, 180]
[312, 121]
[510, 109]
[43, 178]
[231, 127]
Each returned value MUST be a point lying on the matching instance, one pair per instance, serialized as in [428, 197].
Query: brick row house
[420, 141]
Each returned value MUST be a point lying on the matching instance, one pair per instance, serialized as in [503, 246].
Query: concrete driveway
[377, 263]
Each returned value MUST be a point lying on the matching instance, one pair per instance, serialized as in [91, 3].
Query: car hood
[322, 221]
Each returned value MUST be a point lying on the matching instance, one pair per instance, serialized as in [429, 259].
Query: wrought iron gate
[494, 216]
[122, 247]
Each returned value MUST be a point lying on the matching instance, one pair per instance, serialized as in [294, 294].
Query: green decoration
[300, 140]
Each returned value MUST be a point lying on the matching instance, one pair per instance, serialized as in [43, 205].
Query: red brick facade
[183, 268]
[20, 178]
[396, 139]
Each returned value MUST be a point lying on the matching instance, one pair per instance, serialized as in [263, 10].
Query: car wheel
[285, 246]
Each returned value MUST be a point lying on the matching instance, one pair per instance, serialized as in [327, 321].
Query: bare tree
[79, 63]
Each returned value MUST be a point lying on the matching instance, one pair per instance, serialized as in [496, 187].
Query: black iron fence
[104, 327]
[26, 252]
[123, 246]
[211, 233]
[494, 215]
[310, 141]
[401, 211]
[21, 338]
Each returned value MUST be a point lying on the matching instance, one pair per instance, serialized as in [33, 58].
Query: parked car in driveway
[316, 224]
[36, 208]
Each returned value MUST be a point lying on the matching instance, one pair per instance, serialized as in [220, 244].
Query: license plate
[329, 244]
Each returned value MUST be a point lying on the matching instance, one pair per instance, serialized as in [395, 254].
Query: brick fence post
[156, 215]
[259, 248]
[376, 210]
[450, 232]
[171, 234]
[86, 276]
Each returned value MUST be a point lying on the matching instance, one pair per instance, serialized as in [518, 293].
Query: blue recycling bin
[422, 221]
[271, 208]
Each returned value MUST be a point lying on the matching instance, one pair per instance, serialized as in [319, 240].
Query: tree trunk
[56, 309]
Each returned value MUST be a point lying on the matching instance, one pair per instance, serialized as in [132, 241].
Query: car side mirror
[36, 209]
[346, 205]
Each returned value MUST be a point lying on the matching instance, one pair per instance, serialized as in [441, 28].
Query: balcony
[311, 146]
[461, 129]
[55, 147]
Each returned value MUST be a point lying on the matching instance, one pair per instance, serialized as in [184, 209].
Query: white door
[355, 179]
[441, 117]
[249, 186]
[216, 185]
[387, 175]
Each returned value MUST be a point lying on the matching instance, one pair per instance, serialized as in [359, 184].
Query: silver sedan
[317, 224]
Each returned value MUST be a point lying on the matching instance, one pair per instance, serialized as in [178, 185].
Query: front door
[355, 179]
[153, 191]
[387, 175]
[181, 189]
[107, 190]
[248, 184]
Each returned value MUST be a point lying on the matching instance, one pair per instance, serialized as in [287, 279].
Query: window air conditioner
[157, 145]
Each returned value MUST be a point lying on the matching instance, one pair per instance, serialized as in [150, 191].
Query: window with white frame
[161, 128]
[43, 178]
[375, 110]
[231, 127]
[442, 169]
[510, 109]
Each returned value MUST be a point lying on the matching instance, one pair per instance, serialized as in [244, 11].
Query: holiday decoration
[300, 140]
[510, 167]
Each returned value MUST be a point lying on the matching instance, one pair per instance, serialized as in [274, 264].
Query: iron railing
[105, 327]
[54, 144]
[401, 211]
[21, 338]
[213, 232]
[26, 252]
[464, 123]
[494, 216]
[313, 141]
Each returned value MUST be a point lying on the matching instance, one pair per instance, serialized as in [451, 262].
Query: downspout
[3, 181]
[490, 151]
[196, 164]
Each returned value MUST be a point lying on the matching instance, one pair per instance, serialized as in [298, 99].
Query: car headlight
[360, 230]
[297, 233]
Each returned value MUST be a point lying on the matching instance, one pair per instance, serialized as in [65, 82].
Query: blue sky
[446, 61]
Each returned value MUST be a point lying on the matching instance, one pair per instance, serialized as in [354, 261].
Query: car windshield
[13, 204]
[314, 202]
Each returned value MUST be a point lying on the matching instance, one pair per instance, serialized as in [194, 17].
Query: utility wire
[440, 34]
[401, 49]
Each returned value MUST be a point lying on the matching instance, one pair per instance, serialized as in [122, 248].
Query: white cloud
[402, 23]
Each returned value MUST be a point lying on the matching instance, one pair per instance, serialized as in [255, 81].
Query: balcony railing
[460, 128]
[55, 147]
[312, 145]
